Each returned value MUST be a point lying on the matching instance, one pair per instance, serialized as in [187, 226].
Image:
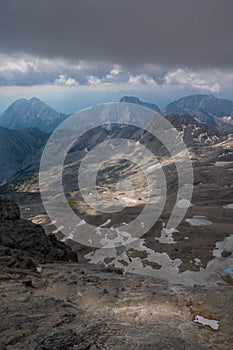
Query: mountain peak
[26, 113]
[35, 99]
[136, 100]
[130, 99]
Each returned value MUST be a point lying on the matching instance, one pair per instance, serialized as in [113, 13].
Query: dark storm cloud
[131, 32]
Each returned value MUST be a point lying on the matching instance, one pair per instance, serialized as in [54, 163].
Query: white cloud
[93, 80]
[114, 72]
[196, 80]
[17, 65]
[27, 70]
[63, 80]
[141, 79]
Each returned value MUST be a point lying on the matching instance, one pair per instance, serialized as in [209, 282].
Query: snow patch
[223, 163]
[224, 154]
[166, 235]
[82, 222]
[106, 223]
[184, 203]
[206, 322]
[225, 245]
[228, 206]
[199, 221]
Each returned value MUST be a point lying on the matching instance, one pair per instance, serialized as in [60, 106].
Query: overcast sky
[73, 53]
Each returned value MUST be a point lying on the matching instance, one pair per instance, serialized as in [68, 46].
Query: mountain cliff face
[210, 110]
[31, 113]
[17, 147]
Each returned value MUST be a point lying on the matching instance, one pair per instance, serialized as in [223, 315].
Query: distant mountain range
[212, 111]
[201, 119]
[31, 113]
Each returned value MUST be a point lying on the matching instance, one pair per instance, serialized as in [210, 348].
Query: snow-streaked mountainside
[30, 114]
[206, 109]
[193, 130]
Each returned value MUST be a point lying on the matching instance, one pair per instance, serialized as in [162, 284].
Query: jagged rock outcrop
[24, 244]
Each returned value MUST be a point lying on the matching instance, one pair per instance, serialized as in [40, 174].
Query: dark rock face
[8, 210]
[22, 243]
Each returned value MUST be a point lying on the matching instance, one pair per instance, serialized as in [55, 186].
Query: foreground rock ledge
[77, 306]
